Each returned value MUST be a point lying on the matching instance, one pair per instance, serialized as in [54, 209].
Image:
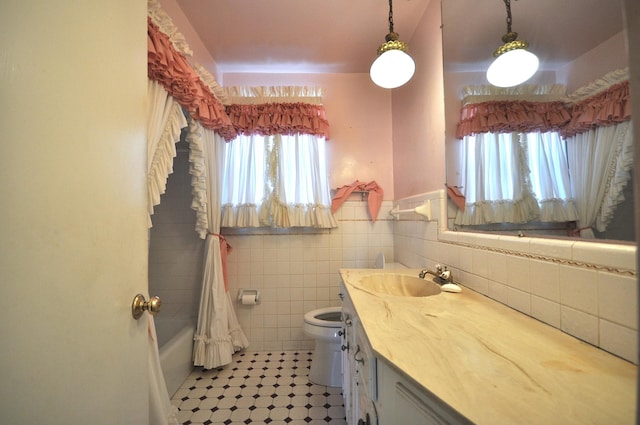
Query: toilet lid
[329, 317]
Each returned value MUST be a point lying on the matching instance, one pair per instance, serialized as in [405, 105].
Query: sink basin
[398, 285]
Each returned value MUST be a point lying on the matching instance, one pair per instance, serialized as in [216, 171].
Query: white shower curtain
[165, 120]
[161, 411]
[218, 334]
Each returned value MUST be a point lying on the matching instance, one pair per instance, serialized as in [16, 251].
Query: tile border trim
[562, 261]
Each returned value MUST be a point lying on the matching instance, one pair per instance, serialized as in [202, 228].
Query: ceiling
[341, 36]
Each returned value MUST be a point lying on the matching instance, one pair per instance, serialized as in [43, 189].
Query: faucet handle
[438, 268]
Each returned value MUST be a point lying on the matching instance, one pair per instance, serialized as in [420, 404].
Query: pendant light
[393, 67]
[513, 63]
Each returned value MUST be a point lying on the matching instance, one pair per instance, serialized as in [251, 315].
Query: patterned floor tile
[259, 388]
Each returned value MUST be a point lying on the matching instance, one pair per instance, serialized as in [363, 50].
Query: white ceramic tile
[619, 340]
[545, 310]
[487, 239]
[284, 320]
[515, 244]
[579, 324]
[478, 284]
[618, 299]
[467, 238]
[519, 300]
[518, 273]
[612, 255]
[554, 248]
[466, 259]
[480, 263]
[449, 236]
[282, 254]
[579, 288]
[498, 292]
[497, 264]
[545, 279]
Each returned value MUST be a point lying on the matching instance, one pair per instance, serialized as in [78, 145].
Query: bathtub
[175, 342]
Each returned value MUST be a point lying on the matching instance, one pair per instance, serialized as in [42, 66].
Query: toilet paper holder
[244, 294]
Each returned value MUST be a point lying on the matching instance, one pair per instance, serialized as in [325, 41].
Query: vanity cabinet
[377, 394]
[403, 402]
[359, 369]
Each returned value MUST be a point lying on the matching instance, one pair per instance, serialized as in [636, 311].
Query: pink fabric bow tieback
[374, 200]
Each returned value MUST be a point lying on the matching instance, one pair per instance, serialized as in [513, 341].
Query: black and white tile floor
[259, 388]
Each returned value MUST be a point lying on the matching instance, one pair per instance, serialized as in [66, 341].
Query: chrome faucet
[442, 274]
[443, 278]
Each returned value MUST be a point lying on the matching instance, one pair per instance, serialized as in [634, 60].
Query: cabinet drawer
[366, 365]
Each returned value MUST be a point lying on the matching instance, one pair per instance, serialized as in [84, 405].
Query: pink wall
[359, 113]
[607, 57]
[201, 55]
[418, 114]
[368, 141]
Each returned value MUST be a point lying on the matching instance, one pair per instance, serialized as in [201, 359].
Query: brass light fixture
[393, 67]
[513, 63]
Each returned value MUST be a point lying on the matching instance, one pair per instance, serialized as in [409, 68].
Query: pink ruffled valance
[507, 116]
[609, 107]
[279, 118]
[170, 68]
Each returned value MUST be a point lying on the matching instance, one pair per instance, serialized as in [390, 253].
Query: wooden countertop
[491, 363]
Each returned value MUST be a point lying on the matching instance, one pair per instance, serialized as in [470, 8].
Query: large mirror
[577, 41]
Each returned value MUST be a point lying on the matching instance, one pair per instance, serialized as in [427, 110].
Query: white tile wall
[297, 273]
[587, 289]
[175, 250]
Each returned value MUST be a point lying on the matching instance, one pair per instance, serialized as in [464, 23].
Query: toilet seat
[324, 326]
[328, 317]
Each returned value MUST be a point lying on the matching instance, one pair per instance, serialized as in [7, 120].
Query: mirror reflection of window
[579, 45]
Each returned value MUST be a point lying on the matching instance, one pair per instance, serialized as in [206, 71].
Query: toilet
[323, 325]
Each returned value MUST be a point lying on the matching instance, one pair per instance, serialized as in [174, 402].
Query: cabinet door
[349, 387]
[366, 377]
[413, 410]
[401, 402]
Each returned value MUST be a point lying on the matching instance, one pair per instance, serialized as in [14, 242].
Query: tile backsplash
[586, 289]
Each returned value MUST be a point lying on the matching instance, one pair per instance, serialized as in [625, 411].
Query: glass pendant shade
[512, 68]
[392, 69]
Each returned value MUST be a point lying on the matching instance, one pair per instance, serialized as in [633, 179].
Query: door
[73, 250]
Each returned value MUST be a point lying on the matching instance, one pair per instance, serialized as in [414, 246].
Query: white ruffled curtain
[218, 334]
[549, 176]
[600, 160]
[276, 181]
[514, 168]
[167, 64]
[165, 121]
[495, 179]
[161, 411]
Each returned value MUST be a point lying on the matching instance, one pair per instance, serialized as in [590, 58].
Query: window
[276, 181]
[515, 178]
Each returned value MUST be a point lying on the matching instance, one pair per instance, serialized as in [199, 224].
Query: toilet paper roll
[249, 299]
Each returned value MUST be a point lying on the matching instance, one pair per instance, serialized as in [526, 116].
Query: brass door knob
[140, 305]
